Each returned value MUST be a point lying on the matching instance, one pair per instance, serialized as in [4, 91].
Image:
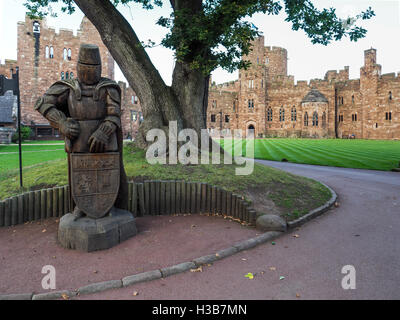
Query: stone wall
[367, 108]
[45, 56]
[8, 68]
[131, 111]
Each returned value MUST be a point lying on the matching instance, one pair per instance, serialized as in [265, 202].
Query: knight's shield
[95, 179]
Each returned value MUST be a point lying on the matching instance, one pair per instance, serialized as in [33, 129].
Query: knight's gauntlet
[68, 127]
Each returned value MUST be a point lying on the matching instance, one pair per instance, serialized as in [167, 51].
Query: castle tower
[45, 56]
[252, 92]
[275, 59]
[372, 123]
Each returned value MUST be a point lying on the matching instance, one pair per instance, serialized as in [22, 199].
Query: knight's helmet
[89, 64]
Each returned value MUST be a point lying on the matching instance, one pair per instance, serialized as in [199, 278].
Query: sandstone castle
[44, 56]
[265, 98]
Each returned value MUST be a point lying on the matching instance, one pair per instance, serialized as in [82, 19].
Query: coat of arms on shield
[95, 181]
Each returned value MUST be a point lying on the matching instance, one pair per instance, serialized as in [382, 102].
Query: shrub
[26, 133]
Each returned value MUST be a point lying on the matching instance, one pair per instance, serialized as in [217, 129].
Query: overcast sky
[306, 61]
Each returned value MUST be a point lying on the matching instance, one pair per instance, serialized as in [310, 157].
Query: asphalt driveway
[306, 264]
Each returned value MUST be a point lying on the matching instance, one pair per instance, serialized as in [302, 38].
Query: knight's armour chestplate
[90, 113]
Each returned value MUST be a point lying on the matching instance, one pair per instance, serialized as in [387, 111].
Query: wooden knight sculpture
[87, 112]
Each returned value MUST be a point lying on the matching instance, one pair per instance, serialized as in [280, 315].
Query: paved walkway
[363, 231]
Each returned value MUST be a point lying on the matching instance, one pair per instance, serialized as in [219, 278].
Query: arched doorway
[251, 127]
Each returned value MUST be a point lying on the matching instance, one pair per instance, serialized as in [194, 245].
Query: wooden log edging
[150, 197]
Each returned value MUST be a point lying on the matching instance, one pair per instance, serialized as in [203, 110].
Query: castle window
[262, 83]
[390, 95]
[47, 52]
[62, 75]
[213, 118]
[352, 99]
[388, 116]
[251, 103]
[266, 61]
[214, 104]
[133, 115]
[65, 54]
[51, 53]
[269, 114]
[294, 114]
[140, 117]
[71, 75]
[251, 84]
[67, 75]
[323, 119]
[227, 118]
[69, 54]
[36, 27]
[354, 117]
[281, 114]
[134, 99]
[306, 119]
[315, 119]
[340, 118]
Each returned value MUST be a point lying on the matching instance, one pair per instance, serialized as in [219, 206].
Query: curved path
[363, 232]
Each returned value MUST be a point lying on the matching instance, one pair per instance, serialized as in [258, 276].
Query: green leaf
[249, 275]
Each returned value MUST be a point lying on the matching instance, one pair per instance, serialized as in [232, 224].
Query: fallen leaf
[297, 295]
[209, 265]
[249, 275]
[65, 296]
[244, 259]
[54, 257]
[193, 226]
[44, 230]
[199, 269]
[337, 204]
[296, 236]
[217, 255]
[272, 268]
[95, 271]
[135, 293]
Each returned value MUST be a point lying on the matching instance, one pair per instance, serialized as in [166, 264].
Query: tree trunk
[184, 101]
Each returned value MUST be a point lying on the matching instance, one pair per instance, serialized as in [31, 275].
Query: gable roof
[314, 96]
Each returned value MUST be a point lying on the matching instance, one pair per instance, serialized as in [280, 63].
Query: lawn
[32, 153]
[270, 190]
[362, 154]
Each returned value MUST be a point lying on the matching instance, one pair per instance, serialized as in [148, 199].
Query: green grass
[31, 154]
[289, 193]
[362, 154]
